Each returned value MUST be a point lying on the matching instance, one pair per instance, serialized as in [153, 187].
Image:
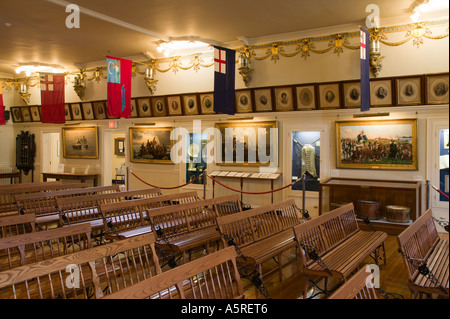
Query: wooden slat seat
[341, 246]
[16, 224]
[356, 287]
[420, 242]
[214, 276]
[101, 270]
[261, 233]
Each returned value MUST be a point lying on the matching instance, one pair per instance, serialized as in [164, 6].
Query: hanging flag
[118, 87]
[365, 69]
[224, 78]
[2, 108]
[52, 98]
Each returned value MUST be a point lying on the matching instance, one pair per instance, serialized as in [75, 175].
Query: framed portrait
[381, 144]
[88, 112]
[284, 99]
[207, 103]
[244, 101]
[35, 112]
[67, 115]
[263, 100]
[381, 92]
[80, 142]
[247, 143]
[133, 108]
[150, 145]
[174, 105]
[16, 115]
[409, 90]
[75, 109]
[119, 146]
[26, 116]
[437, 89]
[305, 96]
[329, 96]
[99, 108]
[158, 106]
[352, 94]
[190, 104]
[143, 107]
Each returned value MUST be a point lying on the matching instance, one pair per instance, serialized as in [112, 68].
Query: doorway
[51, 152]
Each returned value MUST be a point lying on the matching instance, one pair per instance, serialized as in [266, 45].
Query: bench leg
[305, 292]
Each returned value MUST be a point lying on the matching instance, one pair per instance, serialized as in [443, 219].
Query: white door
[51, 152]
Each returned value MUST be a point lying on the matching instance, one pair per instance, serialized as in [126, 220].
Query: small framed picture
[88, 113]
[207, 103]
[26, 116]
[283, 99]
[244, 101]
[381, 92]
[35, 112]
[174, 105]
[159, 106]
[305, 96]
[119, 146]
[76, 111]
[329, 96]
[409, 90]
[352, 94]
[16, 115]
[99, 108]
[437, 89]
[263, 100]
[133, 108]
[144, 107]
[67, 114]
[190, 104]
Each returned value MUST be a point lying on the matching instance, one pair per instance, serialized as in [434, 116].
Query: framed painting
[26, 116]
[143, 106]
[119, 146]
[437, 89]
[305, 96]
[80, 142]
[16, 115]
[381, 92]
[352, 94]
[99, 108]
[381, 144]
[329, 96]
[409, 90]
[158, 106]
[133, 108]
[244, 101]
[263, 100]
[284, 99]
[88, 112]
[150, 145]
[247, 143]
[174, 105]
[35, 112]
[207, 103]
[76, 112]
[190, 104]
[67, 115]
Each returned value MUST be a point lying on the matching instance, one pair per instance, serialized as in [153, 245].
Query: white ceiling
[35, 30]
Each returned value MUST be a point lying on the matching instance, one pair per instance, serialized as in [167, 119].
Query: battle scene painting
[150, 145]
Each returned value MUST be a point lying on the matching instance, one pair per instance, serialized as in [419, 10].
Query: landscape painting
[80, 142]
[150, 145]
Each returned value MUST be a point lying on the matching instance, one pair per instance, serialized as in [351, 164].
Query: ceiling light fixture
[30, 68]
[421, 7]
[170, 47]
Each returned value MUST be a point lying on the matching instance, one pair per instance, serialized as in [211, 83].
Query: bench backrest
[255, 224]
[102, 269]
[17, 224]
[214, 276]
[418, 239]
[326, 231]
[29, 248]
[356, 287]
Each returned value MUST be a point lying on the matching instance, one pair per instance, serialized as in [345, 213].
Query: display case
[196, 158]
[306, 159]
[334, 192]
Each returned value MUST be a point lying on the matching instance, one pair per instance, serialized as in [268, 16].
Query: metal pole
[128, 176]
[304, 191]
[204, 184]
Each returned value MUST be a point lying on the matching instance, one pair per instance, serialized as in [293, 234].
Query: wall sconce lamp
[150, 79]
[245, 71]
[23, 92]
[79, 85]
[375, 56]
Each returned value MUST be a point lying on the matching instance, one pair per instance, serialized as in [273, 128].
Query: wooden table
[81, 177]
[12, 176]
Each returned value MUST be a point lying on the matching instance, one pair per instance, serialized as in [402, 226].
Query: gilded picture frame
[143, 107]
[379, 144]
[437, 89]
[409, 90]
[351, 92]
[80, 142]
[381, 92]
[150, 145]
[244, 101]
[119, 146]
[190, 104]
[158, 106]
[306, 97]
[284, 100]
[329, 96]
[174, 105]
[207, 103]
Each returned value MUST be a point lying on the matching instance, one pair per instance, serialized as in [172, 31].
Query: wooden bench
[335, 246]
[41, 245]
[420, 243]
[356, 287]
[16, 225]
[89, 273]
[214, 276]
[44, 206]
[261, 234]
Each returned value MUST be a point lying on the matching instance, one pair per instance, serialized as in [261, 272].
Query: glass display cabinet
[306, 159]
[196, 159]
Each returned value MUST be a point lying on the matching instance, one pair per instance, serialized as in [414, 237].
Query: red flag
[119, 87]
[52, 98]
[2, 108]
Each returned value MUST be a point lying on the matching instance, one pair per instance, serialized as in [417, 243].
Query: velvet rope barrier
[174, 187]
[253, 193]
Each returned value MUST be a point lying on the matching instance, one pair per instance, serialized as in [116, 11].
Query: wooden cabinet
[337, 191]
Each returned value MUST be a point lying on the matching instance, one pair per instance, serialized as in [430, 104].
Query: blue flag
[224, 78]
[365, 69]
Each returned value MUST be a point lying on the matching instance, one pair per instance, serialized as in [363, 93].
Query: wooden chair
[16, 225]
[356, 287]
